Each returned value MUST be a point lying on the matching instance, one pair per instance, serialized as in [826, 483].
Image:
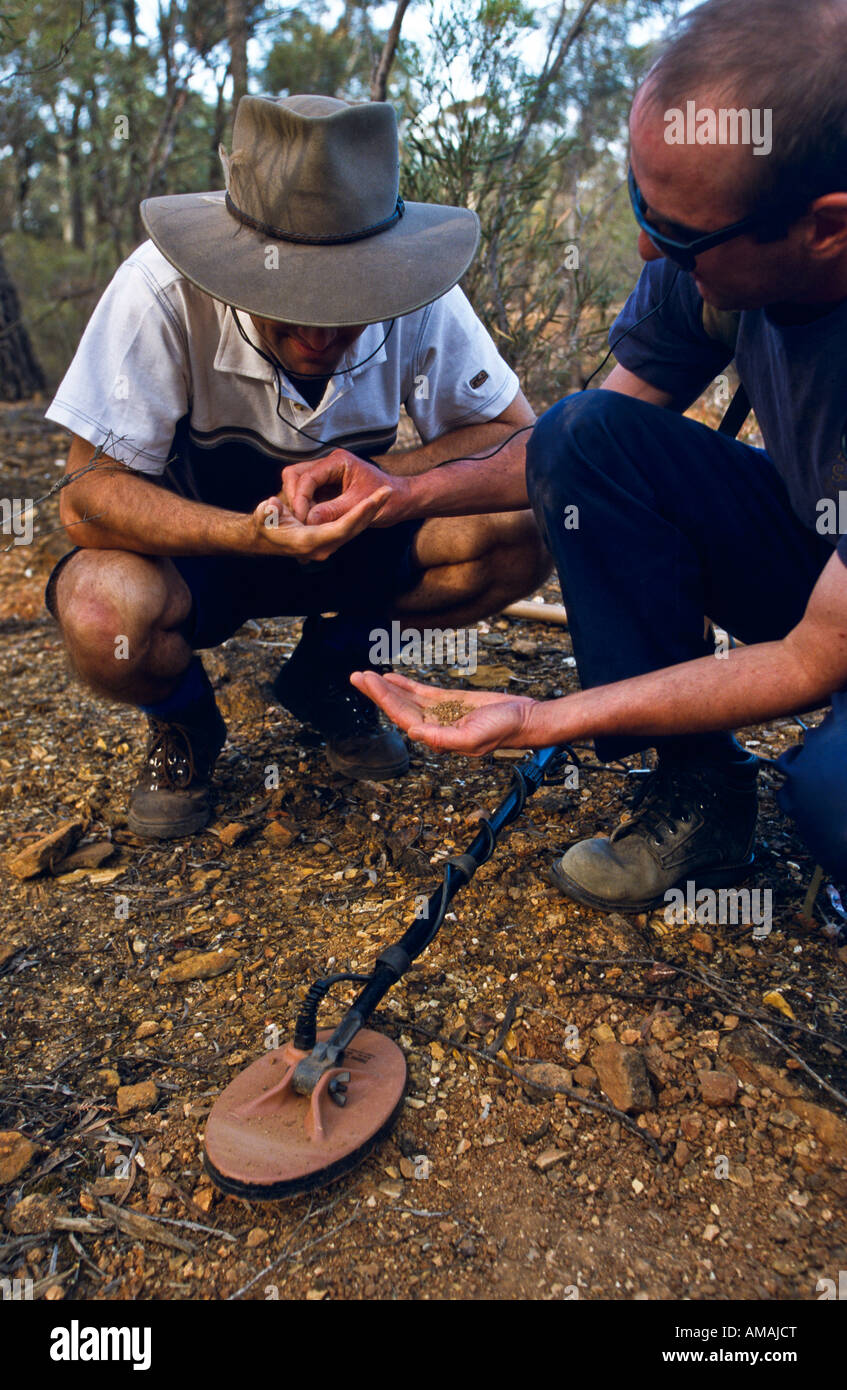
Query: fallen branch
[554, 613]
[132, 1223]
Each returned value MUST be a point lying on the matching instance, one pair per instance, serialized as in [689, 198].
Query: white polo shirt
[158, 352]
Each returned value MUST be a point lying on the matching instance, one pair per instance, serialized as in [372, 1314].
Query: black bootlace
[663, 803]
[170, 756]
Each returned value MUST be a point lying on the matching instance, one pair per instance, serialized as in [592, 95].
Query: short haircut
[786, 56]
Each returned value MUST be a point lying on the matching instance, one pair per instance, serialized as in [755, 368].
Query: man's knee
[814, 794]
[105, 597]
[576, 440]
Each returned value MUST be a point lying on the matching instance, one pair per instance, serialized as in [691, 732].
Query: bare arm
[748, 686]
[620, 379]
[475, 484]
[112, 507]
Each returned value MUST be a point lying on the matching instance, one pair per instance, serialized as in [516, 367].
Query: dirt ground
[725, 1180]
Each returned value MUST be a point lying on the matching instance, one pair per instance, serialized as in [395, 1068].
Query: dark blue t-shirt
[795, 376]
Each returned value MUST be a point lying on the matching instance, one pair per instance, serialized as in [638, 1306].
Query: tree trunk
[382, 67]
[218, 131]
[236, 33]
[20, 370]
[76, 201]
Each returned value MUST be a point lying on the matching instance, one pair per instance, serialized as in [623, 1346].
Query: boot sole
[146, 830]
[708, 878]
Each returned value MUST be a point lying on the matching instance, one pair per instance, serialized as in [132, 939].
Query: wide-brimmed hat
[311, 228]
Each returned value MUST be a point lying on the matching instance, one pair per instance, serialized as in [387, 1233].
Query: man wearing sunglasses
[677, 522]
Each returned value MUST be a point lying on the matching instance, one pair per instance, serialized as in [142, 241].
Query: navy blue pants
[655, 521]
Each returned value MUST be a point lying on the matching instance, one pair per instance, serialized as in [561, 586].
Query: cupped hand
[492, 720]
[277, 530]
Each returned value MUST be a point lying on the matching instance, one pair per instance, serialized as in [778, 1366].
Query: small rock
[147, 1028]
[140, 1097]
[392, 1190]
[279, 836]
[710, 1232]
[548, 1159]
[622, 935]
[623, 1077]
[548, 1074]
[47, 851]
[584, 1076]
[257, 1236]
[199, 965]
[603, 1033]
[828, 1128]
[16, 1153]
[231, 919]
[663, 1027]
[692, 1127]
[701, 941]
[740, 1176]
[785, 1119]
[717, 1087]
[35, 1214]
[681, 1153]
[88, 857]
[232, 833]
[637, 1186]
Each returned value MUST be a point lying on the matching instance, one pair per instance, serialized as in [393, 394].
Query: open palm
[492, 719]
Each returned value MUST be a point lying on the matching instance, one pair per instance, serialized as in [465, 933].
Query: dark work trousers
[656, 522]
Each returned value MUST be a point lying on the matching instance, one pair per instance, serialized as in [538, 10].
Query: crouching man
[232, 401]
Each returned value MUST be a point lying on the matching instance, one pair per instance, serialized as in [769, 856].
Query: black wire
[656, 307]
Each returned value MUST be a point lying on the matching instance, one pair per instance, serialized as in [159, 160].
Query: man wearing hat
[244, 366]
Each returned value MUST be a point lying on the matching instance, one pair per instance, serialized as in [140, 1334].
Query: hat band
[278, 234]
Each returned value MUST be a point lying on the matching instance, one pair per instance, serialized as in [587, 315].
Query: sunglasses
[685, 253]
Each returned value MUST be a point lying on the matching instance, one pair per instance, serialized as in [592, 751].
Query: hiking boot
[314, 686]
[172, 797]
[691, 821]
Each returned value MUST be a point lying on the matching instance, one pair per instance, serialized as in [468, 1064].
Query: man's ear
[828, 219]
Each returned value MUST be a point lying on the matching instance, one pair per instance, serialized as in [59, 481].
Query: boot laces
[170, 756]
[664, 803]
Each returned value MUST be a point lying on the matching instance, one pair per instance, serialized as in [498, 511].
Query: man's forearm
[123, 511]
[749, 686]
[472, 486]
